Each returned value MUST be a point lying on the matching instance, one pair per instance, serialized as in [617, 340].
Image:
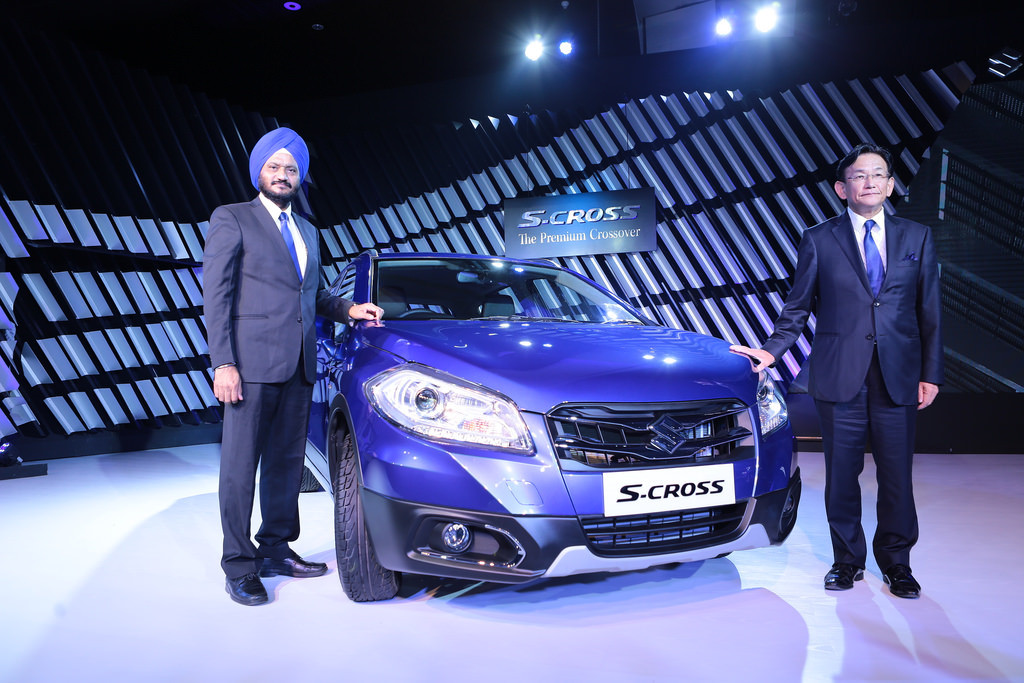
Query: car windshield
[474, 289]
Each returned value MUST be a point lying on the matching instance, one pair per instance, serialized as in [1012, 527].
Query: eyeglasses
[875, 177]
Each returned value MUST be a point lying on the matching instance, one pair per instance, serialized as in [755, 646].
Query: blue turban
[269, 144]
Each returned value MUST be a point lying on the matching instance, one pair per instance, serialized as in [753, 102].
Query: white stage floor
[110, 573]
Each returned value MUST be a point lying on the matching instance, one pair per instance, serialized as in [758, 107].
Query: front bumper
[515, 549]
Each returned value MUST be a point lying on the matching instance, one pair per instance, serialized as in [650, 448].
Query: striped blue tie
[872, 259]
[289, 242]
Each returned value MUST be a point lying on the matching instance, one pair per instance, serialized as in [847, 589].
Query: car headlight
[771, 406]
[440, 407]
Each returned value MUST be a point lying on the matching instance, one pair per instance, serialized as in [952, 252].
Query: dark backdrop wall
[108, 175]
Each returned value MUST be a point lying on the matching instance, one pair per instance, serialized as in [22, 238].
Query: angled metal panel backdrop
[109, 175]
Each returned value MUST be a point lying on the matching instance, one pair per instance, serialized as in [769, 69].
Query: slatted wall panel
[980, 230]
[109, 174]
[737, 179]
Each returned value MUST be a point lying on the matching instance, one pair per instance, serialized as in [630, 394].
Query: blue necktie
[872, 259]
[289, 242]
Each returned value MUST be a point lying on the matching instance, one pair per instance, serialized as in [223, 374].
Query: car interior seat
[498, 304]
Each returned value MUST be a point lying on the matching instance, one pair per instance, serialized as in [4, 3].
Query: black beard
[278, 193]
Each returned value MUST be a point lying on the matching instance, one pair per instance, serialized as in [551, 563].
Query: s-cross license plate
[640, 492]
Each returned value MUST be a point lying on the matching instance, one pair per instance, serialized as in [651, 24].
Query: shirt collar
[858, 221]
[274, 209]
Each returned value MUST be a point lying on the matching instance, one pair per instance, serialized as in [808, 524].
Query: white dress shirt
[878, 234]
[300, 245]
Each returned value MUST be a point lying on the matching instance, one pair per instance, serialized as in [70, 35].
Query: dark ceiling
[256, 52]
[250, 48]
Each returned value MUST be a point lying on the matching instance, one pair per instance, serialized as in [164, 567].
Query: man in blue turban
[262, 291]
[278, 139]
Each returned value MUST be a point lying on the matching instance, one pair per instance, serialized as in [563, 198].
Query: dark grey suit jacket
[904, 319]
[258, 315]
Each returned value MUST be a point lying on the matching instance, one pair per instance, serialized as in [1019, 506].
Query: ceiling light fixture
[767, 18]
[534, 49]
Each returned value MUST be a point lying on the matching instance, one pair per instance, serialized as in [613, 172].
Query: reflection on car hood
[541, 364]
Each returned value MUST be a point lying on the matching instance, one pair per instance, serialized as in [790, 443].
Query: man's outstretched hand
[759, 358]
[365, 312]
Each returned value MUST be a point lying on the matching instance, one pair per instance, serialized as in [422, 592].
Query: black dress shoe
[901, 582]
[292, 566]
[842, 576]
[247, 590]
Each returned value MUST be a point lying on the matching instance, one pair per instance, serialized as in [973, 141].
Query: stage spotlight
[723, 27]
[565, 47]
[767, 18]
[534, 49]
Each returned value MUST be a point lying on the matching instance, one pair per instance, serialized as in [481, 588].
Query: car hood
[542, 364]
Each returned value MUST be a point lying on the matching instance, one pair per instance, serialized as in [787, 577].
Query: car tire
[362, 577]
[309, 482]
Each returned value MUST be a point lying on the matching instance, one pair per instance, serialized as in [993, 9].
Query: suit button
[870, 337]
[876, 304]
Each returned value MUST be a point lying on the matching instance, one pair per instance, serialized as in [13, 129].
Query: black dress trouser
[870, 418]
[266, 429]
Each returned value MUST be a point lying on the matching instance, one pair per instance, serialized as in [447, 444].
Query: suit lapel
[895, 242]
[272, 231]
[843, 232]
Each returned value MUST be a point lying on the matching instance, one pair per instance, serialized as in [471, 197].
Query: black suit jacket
[258, 315]
[903, 320]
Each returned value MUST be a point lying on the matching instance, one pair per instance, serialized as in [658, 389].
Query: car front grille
[640, 435]
[664, 532]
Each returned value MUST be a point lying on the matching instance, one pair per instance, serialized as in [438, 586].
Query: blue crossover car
[510, 420]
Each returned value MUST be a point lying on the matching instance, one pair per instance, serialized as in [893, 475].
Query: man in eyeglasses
[876, 359]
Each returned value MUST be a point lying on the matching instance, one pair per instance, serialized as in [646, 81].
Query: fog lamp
[457, 537]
